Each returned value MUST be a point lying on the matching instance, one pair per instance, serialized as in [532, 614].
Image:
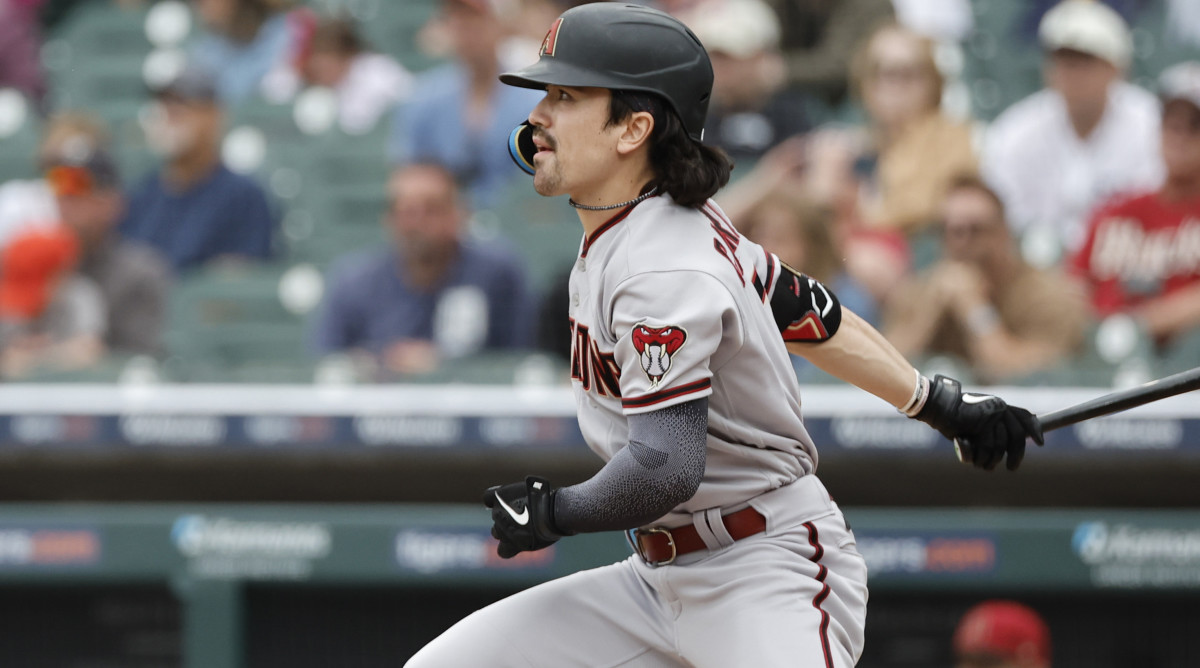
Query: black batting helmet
[625, 47]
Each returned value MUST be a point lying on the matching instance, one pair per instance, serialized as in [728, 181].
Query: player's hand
[984, 428]
[522, 516]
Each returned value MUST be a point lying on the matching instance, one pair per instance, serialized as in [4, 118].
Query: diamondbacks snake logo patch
[657, 346]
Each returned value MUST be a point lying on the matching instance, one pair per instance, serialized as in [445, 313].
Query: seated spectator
[1001, 634]
[434, 294]
[819, 38]
[916, 150]
[368, 85]
[1088, 135]
[801, 233]
[50, 317]
[459, 114]
[194, 209]
[821, 166]
[132, 278]
[982, 303]
[1142, 253]
[749, 112]
[246, 40]
[890, 174]
[20, 43]
[30, 203]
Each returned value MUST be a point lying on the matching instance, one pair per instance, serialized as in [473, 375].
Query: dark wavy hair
[687, 170]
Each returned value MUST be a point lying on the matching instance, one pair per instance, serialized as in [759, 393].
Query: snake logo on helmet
[620, 47]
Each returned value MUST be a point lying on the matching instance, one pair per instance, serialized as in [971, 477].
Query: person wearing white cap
[749, 112]
[1087, 136]
[1142, 254]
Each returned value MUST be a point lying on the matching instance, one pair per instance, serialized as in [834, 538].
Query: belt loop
[717, 525]
[700, 521]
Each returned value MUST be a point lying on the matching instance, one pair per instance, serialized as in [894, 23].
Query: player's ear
[635, 131]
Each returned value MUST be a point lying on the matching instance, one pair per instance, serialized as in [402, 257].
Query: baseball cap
[28, 266]
[1181, 82]
[1005, 629]
[1090, 27]
[739, 28]
[191, 84]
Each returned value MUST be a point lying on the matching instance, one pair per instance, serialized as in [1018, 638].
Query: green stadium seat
[229, 318]
[544, 230]
[18, 151]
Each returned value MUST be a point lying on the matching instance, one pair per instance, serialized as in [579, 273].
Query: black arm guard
[804, 309]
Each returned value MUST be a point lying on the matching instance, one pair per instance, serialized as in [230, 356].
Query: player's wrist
[919, 397]
[551, 527]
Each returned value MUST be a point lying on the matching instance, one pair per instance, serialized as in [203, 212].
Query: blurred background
[276, 308]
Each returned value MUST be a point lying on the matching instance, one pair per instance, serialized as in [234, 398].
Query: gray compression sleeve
[660, 468]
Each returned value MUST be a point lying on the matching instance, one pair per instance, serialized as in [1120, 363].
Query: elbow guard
[804, 310]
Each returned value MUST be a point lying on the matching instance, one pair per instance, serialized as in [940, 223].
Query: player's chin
[546, 184]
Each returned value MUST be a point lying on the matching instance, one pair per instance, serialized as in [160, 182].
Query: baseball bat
[1116, 402]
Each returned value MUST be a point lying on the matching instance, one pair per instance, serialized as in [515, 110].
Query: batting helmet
[625, 47]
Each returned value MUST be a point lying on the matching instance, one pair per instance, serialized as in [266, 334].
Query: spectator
[459, 114]
[893, 172]
[1142, 253]
[801, 233]
[749, 112]
[245, 41]
[368, 84]
[1001, 634]
[820, 37]
[30, 203]
[50, 318]
[194, 209]
[982, 303]
[434, 295]
[1088, 135]
[916, 149]
[132, 278]
[20, 42]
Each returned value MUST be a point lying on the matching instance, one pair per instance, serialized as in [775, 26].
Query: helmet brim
[549, 72]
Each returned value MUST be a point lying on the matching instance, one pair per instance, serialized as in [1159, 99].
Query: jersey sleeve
[668, 326]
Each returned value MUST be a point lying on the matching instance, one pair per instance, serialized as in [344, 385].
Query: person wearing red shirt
[1142, 253]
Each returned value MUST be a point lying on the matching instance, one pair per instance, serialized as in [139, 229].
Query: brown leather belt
[659, 547]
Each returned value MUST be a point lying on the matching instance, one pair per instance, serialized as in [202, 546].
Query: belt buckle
[670, 541]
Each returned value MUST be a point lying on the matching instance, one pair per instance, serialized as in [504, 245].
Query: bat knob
[960, 451]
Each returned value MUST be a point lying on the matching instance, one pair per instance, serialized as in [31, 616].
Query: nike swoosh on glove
[523, 516]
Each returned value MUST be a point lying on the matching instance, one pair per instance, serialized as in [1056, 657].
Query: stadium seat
[18, 150]
[1001, 67]
[228, 318]
[543, 230]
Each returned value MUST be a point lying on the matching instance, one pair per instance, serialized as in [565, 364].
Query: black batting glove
[983, 428]
[523, 516]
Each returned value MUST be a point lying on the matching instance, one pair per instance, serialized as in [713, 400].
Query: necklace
[635, 200]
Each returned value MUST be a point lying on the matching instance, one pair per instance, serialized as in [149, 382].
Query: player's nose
[538, 117]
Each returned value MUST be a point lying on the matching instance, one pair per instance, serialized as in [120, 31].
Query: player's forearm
[660, 468]
[861, 356]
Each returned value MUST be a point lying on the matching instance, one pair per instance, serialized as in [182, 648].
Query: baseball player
[684, 386]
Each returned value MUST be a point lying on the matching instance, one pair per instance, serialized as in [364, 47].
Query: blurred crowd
[1008, 189]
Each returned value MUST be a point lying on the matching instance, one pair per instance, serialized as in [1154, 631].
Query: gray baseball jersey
[669, 305]
[662, 299]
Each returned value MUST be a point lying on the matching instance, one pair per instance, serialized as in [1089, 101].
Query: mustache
[549, 141]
